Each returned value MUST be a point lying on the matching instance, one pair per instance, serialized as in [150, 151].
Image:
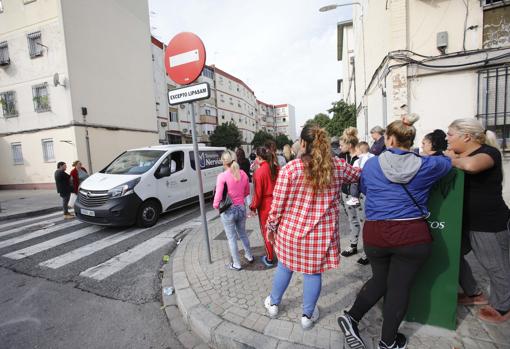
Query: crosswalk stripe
[46, 245]
[121, 261]
[18, 229]
[38, 233]
[91, 248]
[28, 220]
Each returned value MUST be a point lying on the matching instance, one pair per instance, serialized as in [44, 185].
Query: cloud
[283, 50]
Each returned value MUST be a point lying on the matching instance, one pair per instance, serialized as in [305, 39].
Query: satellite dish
[56, 80]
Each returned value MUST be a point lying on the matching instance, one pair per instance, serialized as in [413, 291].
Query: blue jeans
[234, 222]
[311, 288]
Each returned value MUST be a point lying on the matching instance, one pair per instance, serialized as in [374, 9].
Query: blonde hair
[229, 159]
[317, 157]
[75, 163]
[403, 130]
[350, 136]
[475, 129]
[287, 152]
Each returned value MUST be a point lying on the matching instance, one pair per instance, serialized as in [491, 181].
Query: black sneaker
[349, 251]
[399, 343]
[349, 327]
[363, 261]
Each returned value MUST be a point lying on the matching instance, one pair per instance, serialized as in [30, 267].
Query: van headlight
[124, 189]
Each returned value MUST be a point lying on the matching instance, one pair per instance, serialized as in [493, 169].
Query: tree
[260, 138]
[283, 139]
[320, 119]
[344, 115]
[226, 135]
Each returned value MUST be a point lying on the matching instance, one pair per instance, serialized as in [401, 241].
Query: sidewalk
[225, 308]
[25, 203]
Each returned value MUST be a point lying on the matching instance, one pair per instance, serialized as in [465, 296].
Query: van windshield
[134, 162]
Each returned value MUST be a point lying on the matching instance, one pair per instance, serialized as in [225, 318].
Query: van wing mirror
[164, 171]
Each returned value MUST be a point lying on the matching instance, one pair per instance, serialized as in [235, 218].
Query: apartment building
[285, 120]
[72, 86]
[443, 60]
[267, 117]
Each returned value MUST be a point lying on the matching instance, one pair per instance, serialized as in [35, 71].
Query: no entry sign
[185, 58]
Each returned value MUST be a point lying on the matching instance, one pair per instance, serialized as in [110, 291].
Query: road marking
[89, 249]
[121, 261]
[18, 229]
[38, 233]
[28, 220]
[46, 245]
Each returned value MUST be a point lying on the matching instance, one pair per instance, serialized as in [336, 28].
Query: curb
[30, 213]
[215, 331]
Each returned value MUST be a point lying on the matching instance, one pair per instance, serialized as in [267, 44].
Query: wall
[110, 66]
[160, 89]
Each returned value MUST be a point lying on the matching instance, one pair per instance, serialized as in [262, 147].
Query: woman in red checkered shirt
[303, 220]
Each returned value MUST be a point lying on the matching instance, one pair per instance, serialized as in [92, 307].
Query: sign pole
[199, 177]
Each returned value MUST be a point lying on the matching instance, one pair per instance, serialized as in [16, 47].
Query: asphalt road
[66, 284]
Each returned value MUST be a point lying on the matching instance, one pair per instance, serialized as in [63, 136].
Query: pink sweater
[237, 190]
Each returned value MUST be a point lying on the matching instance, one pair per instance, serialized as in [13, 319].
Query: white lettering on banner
[189, 93]
[437, 225]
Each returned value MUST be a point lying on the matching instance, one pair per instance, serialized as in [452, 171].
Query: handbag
[226, 201]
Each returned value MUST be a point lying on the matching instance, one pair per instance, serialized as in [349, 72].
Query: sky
[284, 50]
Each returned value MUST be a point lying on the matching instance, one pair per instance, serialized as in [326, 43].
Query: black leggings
[393, 272]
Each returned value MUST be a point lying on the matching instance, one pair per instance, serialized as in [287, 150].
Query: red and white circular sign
[185, 58]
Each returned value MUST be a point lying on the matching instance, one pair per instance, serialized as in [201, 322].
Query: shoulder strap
[225, 191]
[425, 215]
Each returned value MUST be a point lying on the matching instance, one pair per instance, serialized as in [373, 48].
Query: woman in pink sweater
[234, 218]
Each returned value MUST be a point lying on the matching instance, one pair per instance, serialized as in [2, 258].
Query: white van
[141, 183]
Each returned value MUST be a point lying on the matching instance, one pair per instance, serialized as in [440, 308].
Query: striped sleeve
[280, 195]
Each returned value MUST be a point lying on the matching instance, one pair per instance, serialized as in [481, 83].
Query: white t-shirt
[362, 160]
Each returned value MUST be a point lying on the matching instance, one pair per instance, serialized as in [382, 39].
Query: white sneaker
[352, 201]
[272, 309]
[307, 323]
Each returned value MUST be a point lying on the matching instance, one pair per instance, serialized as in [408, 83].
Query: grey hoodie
[399, 168]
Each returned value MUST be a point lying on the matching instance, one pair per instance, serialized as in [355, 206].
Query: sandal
[489, 314]
[230, 266]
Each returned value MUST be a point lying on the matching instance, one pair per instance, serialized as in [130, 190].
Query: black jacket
[63, 182]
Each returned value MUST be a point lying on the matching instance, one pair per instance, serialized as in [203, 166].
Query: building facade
[442, 60]
[72, 86]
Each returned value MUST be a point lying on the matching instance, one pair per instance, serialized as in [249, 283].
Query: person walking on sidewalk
[396, 235]
[303, 220]
[63, 183]
[377, 134]
[486, 217]
[234, 218]
[78, 175]
[355, 213]
[264, 180]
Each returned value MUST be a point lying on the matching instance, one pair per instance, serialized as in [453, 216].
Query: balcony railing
[208, 119]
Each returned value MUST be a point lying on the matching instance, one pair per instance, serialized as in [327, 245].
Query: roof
[156, 42]
[340, 37]
[231, 77]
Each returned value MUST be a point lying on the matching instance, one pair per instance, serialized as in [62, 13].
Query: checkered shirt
[305, 222]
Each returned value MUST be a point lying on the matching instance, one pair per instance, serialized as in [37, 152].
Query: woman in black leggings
[396, 236]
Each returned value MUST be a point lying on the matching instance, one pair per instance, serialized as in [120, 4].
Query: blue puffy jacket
[382, 179]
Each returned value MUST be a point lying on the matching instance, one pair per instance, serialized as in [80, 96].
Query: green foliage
[260, 137]
[320, 119]
[344, 116]
[282, 139]
[226, 135]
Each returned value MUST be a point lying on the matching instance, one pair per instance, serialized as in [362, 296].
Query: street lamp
[335, 6]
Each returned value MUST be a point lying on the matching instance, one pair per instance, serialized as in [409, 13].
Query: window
[8, 101]
[17, 155]
[494, 102]
[1, 6]
[207, 112]
[223, 117]
[47, 147]
[492, 2]
[173, 116]
[231, 102]
[41, 98]
[34, 44]
[284, 120]
[208, 73]
[4, 53]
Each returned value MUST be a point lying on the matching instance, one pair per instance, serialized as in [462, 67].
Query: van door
[172, 188]
[210, 165]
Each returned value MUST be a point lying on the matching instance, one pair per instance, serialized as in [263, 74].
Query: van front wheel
[148, 214]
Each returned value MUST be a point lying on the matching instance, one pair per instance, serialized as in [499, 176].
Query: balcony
[208, 119]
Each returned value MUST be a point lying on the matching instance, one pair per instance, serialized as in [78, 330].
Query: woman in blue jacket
[396, 236]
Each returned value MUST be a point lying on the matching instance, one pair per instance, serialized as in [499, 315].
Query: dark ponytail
[268, 156]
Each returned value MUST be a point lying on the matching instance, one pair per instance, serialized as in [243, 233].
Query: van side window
[178, 158]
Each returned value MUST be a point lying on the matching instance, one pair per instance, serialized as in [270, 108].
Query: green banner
[434, 295]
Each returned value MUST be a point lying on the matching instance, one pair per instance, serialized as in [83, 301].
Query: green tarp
[434, 295]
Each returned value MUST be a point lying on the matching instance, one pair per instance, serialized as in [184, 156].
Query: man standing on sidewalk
[63, 182]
